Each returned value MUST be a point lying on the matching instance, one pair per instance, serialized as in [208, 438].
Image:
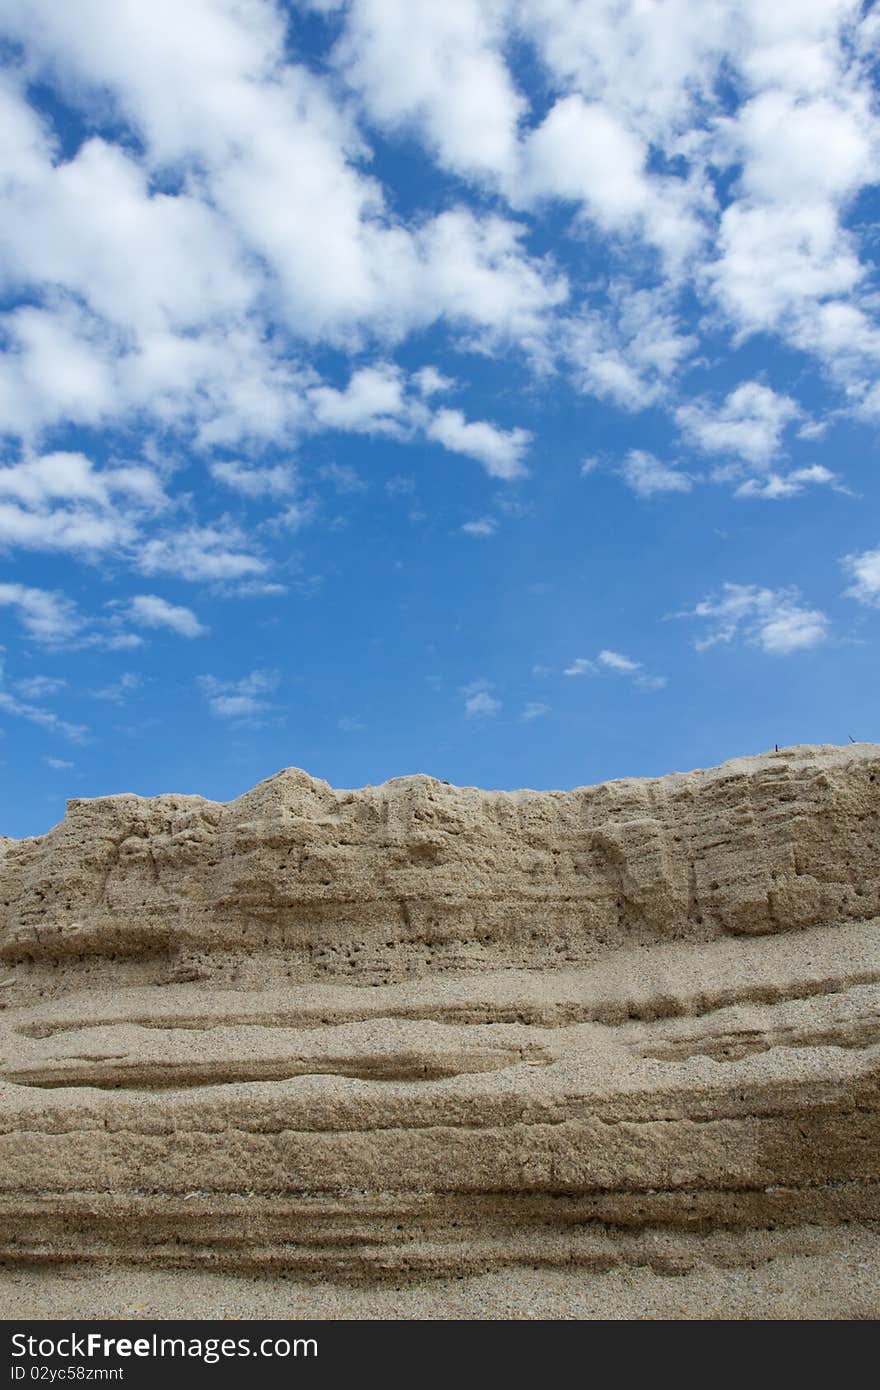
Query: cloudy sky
[485, 388]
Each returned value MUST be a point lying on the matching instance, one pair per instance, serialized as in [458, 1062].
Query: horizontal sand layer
[640, 1043]
[836, 1279]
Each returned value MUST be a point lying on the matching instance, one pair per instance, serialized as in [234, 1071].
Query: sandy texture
[610, 1052]
[837, 1278]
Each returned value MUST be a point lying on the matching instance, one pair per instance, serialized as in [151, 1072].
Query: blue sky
[485, 389]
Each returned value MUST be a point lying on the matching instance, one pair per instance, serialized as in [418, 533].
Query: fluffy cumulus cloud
[270, 267]
[161, 288]
[500, 451]
[630, 351]
[747, 426]
[481, 529]
[581, 666]
[441, 70]
[149, 610]
[201, 553]
[45, 616]
[778, 485]
[616, 661]
[62, 502]
[628, 82]
[166, 272]
[246, 698]
[160, 296]
[380, 400]
[40, 687]
[129, 683]
[179, 275]
[479, 702]
[864, 571]
[647, 475]
[775, 620]
[617, 664]
[277, 480]
[534, 709]
[53, 619]
[36, 713]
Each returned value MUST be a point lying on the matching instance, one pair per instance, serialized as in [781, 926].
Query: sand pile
[419, 1031]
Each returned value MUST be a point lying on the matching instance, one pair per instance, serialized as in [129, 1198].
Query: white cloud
[71, 477]
[170, 274]
[813, 429]
[60, 501]
[114, 638]
[400, 486]
[534, 709]
[430, 381]
[748, 425]
[53, 619]
[241, 699]
[372, 402]
[481, 529]
[235, 706]
[582, 152]
[39, 687]
[618, 664]
[293, 518]
[149, 610]
[161, 300]
[792, 629]
[630, 351]
[253, 588]
[344, 479]
[773, 619]
[786, 261]
[647, 475]
[200, 553]
[799, 143]
[376, 401]
[478, 702]
[474, 275]
[482, 703]
[58, 764]
[269, 146]
[776, 485]
[635, 79]
[45, 615]
[616, 661]
[63, 502]
[57, 367]
[442, 71]
[255, 482]
[65, 529]
[586, 153]
[180, 308]
[37, 714]
[119, 691]
[864, 570]
[778, 261]
[499, 451]
[437, 68]
[801, 150]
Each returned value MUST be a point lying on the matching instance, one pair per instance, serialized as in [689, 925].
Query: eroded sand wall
[425, 1029]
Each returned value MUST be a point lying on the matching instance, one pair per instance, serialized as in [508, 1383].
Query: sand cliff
[423, 1030]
